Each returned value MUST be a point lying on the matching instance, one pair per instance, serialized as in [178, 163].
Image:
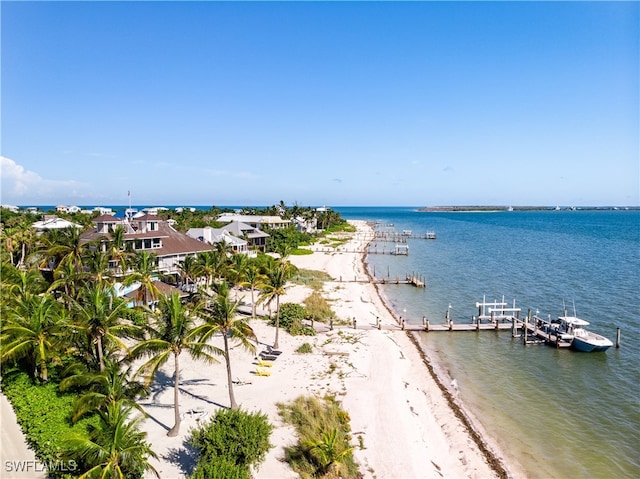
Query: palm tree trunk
[176, 408]
[275, 343]
[43, 365]
[253, 305]
[100, 355]
[232, 397]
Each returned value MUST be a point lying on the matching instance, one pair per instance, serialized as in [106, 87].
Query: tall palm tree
[254, 280]
[210, 265]
[170, 336]
[99, 315]
[65, 245]
[68, 280]
[116, 448]
[221, 317]
[144, 273]
[19, 283]
[188, 269]
[110, 386]
[237, 270]
[117, 250]
[33, 329]
[277, 276]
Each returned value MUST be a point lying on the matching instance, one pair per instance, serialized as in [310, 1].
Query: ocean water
[559, 413]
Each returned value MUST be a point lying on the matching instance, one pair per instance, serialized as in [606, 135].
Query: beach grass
[323, 449]
[313, 279]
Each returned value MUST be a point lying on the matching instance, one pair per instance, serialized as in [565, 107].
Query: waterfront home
[256, 221]
[241, 237]
[149, 233]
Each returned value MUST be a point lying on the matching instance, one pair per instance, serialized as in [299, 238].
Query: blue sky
[327, 103]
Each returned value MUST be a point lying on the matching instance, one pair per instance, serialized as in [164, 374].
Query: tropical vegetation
[77, 358]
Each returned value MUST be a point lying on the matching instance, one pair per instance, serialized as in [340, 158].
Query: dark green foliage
[286, 239]
[44, 415]
[291, 316]
[229, 444]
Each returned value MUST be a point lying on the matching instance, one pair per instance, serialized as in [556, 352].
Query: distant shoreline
[488, 208]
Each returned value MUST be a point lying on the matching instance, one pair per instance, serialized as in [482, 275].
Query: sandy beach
[407, 427]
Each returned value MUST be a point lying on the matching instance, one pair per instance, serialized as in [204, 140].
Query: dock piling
[617, 337]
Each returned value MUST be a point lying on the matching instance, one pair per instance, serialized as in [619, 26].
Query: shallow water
[560, 413]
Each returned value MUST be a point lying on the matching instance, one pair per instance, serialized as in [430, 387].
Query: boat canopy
[573, 321]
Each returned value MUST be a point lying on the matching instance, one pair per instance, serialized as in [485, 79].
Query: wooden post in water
[617, 337]
[427, 326]
[526, 328]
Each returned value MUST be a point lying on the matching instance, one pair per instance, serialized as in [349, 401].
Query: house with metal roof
[240, 236]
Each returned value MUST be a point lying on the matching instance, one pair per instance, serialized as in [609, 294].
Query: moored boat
[583, 339]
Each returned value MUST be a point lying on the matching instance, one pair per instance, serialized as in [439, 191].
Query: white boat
[583, 340]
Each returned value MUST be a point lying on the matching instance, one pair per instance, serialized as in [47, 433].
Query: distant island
[488, 208]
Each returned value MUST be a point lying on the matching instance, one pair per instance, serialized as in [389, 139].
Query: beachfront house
[149, 233]
[256, 221]
[241, 237]
[216, 235]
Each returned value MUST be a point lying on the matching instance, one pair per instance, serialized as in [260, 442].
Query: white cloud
[19, 186]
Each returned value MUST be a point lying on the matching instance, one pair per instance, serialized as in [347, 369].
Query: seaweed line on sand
[494, 461]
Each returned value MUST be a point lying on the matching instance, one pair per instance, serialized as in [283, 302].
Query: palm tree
[221, 317]
[100, 316]
[116, 448]
[116, 249]
[237, 270]
[330, 450]
[109, 386]
[172, 335]
[254, 280]
[33, 329]
[144, 266]
[19, 283]
[65, 245]
[188, 269]
[277, 276]
[67, 279]
[210, 265]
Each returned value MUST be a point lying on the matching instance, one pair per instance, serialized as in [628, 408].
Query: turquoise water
[561, 414]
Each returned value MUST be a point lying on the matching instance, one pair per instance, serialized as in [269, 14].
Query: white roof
[54, 223]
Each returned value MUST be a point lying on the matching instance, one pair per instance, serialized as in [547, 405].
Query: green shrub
[44, 416]
[229, 444]
[317, 307]
[301, 251]
[304, 349]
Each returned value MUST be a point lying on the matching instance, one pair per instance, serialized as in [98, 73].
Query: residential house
[153, 234]
[255, 239]
[51, 222]
[256, 221]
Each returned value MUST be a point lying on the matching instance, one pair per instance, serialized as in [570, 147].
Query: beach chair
[268, 357]
[262, 372]
[263, 363]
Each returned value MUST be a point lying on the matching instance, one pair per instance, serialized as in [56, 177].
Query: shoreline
[401, 416]
[496, 462]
